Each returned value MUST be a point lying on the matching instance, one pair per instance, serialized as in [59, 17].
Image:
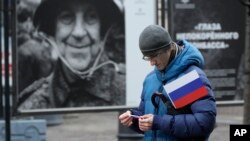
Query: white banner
[138, 15]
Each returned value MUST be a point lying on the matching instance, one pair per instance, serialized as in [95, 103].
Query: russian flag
[185, 89]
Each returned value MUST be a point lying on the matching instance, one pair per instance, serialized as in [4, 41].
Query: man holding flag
[177, 101]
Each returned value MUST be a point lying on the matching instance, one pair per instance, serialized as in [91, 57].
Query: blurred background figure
[34, 57]
[25, 10]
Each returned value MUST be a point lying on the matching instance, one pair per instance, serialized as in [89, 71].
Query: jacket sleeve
[200, 123]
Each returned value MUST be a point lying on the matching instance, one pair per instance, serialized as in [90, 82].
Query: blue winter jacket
[196, 125]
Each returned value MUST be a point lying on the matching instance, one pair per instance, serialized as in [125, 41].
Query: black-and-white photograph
[70, 53]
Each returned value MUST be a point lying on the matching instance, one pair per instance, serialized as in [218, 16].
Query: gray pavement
[104, 126]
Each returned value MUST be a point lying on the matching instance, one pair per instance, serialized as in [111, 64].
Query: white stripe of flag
[181, 81]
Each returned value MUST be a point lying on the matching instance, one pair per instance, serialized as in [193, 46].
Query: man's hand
[126, 119]
[145, 122]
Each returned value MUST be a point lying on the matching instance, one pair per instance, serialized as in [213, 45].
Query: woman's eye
[66, 18]
[91, 16]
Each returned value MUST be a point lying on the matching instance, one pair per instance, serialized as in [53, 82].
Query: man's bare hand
[145, 122]
[126, 119]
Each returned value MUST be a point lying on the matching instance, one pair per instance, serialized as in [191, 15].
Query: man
[84, 74]
[156, 120]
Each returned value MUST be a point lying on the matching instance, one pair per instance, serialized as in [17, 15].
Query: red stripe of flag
[198, 93]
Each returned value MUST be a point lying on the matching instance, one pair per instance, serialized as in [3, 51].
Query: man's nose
[152, 62]
[79, 30]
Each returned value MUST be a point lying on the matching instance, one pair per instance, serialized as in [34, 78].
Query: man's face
[78, 34]
[160, 58]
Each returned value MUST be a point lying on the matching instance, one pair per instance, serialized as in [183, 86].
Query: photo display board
[79, 54]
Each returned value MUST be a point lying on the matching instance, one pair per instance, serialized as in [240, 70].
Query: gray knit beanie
[154, 37]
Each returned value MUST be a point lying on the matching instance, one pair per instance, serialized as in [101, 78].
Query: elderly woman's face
[78, 34]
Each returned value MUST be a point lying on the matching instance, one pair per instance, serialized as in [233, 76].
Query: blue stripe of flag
[186, 89]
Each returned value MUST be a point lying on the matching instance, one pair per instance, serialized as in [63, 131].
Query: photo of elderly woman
[74, 57]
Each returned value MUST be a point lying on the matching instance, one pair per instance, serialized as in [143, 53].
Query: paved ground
[105, 126]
